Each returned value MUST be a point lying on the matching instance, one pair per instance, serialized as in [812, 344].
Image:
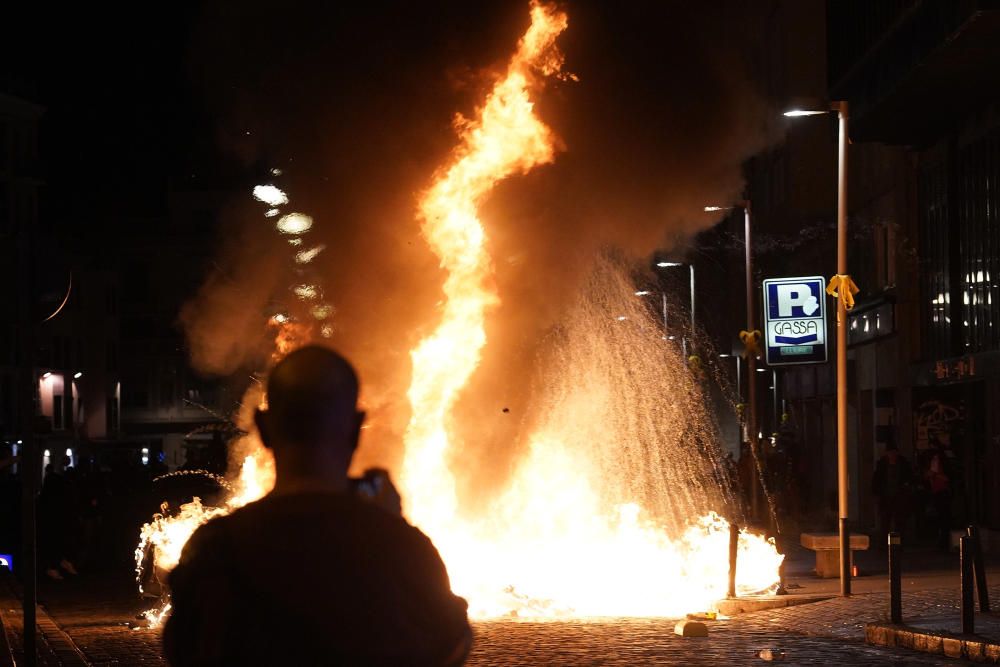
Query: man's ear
[263, 422]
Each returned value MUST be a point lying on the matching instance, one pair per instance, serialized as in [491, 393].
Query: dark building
[922, 76]
[20, 183]
[924, 247]
[165, 403]
[61, 333]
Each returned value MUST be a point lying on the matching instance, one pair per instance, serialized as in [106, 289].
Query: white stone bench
[827, 548]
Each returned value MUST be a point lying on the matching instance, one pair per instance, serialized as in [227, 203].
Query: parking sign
[795, 320]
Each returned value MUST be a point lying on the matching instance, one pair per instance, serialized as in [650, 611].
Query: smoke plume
[356, 105]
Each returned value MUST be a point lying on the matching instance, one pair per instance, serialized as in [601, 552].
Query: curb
[976, 649]
[750, 604]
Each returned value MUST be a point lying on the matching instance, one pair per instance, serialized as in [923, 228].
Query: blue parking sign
[795, 320]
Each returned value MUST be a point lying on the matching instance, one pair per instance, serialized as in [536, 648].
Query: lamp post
[751, 358]
[842, 472]
[739, 396]
[669, 264]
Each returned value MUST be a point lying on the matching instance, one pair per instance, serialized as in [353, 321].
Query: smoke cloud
[356, 103]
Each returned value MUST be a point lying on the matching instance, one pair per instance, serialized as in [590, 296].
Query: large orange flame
[549, 546]
[506, 137]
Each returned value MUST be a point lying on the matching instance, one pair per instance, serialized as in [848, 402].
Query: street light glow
[77, 375]
[46, 375]
[711, 209]
[643, 292]
[664, 265]
[795, 113]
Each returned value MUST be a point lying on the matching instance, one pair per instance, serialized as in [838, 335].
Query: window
[57, 411]
[870, 323]
[935, 267]
[885, 254]
[111, 414]
[979, 241]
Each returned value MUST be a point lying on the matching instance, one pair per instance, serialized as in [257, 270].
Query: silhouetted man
[314, 573]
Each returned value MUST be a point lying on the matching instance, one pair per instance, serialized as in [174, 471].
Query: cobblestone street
[95, 614]
[652, 642]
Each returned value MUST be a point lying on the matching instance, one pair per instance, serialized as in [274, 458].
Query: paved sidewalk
[931, 587]
[845, 618]
[97, 612]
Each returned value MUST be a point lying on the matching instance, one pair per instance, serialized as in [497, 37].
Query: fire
[167, 533]
[550, 546]
[505, 138]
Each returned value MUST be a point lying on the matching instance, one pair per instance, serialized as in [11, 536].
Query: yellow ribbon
[694, 363]
[750, 340]
[841, 284]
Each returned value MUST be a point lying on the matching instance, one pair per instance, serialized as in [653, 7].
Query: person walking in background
[323, 570]
[892, 485]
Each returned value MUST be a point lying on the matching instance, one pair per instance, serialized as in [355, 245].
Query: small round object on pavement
[691, 629]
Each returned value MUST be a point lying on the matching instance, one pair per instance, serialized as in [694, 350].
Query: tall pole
[29, 469]
[691, 266]
[751, 365]
[776, 415]
[842, 479]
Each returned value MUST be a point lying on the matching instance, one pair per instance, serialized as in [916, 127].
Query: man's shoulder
[335, 517]
[316, 509]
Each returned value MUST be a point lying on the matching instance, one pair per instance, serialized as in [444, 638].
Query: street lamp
[751, 327]
[842, 481]
[665, 264]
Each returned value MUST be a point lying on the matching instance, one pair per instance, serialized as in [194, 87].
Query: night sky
[138, 98]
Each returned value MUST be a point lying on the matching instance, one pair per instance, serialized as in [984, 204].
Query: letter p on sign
[791, 296]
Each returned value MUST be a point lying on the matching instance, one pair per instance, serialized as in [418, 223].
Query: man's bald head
[312, 397]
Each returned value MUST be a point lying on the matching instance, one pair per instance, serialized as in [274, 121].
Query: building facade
[924, 339]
